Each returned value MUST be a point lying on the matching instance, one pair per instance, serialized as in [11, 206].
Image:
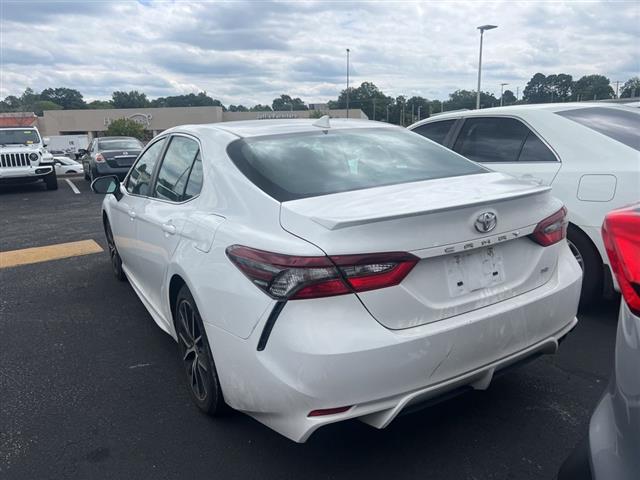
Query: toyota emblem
[486, 222]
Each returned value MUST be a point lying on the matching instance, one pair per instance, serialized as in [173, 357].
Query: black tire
[116, 261]
[51, 180]
[591, 263]
[196, 357]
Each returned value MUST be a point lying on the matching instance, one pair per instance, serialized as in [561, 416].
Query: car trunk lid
[120, 158]
[461, 268]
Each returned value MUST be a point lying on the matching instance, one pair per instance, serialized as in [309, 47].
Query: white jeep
[23, 157]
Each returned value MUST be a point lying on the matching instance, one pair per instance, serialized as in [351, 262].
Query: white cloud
[250, 52]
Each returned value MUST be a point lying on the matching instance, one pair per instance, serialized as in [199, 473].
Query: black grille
[8, 160]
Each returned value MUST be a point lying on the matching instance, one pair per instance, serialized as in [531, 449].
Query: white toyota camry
[317, 271]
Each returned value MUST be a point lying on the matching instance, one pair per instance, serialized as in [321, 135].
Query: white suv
[23, 157]
[588, 152]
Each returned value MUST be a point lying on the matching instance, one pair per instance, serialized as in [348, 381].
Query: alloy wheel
[194, 353]
[576, 253]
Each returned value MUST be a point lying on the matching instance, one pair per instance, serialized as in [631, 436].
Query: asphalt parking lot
[91, 388]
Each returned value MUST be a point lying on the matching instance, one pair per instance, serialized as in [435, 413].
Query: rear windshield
[119, 144]
[618, 124]
[293, 166]
[20, 137]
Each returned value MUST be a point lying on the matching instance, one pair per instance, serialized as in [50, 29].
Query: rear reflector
[288, 277]
[552, 229]
[621, 234]
[328, 411]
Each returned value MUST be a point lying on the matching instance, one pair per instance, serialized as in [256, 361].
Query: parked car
[109, 156]
[66, 166]
[587, 152]
[612, 448]
[317, 272]
[24, 159]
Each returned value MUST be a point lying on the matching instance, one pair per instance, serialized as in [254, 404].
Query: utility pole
[347, 83]
[617, 87]
[419, 108]
[517, 93]
[482, 28]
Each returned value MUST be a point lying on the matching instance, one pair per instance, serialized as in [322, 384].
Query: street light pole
[482, 28]
[502, 91]
[348, 83]
[419, 108]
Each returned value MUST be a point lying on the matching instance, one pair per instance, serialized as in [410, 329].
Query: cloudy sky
[251, 51]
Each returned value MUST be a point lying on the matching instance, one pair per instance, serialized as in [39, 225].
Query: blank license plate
[468, 272]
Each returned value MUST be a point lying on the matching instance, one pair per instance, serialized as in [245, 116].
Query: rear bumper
[330, 352]
[103, 169]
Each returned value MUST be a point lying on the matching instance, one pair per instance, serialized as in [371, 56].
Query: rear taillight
[621, 234]
[99, 158]
[292, 277]
[552, 229]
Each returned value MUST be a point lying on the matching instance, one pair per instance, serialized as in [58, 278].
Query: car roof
[257, 128]
[116, 138]
[521, 109]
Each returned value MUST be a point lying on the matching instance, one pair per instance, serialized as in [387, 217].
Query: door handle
[169, 228]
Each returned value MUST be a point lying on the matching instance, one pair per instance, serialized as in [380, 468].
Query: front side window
[618, 124]
[436, 131]
[491, 139]
[139, 179]
[308, 164]
[174, 172]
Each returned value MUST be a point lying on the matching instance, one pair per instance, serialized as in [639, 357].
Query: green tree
[260, 108]
[536, 89]
[508, 98]
[466, 99]
[132, 99]
[238, 108]
[631, 88]
[67, 98]
[367, 97]
[285, 102]
[200, 99]
[559, 87]
[28, 100]
[11, 103]
[592, 87]
[125, 127]
[41, 105]
[100, 104]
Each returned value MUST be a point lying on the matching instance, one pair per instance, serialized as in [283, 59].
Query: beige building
[155, 120]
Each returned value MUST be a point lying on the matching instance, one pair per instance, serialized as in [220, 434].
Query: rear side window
[293, 166]
[436, 131]
[620, 125]
[491, 139]
[139, 180]
[534, 150]
[194, 185]
[175, 170]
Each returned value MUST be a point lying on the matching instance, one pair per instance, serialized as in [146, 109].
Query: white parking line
[72, 185]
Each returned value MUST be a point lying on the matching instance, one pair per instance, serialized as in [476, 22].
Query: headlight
[33, 157]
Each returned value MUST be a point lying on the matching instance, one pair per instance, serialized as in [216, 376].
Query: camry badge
[486, 222]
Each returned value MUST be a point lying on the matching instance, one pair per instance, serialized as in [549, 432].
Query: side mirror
[107, 185]
[45, 141]
[82, 151]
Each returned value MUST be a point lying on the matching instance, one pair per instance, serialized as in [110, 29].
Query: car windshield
[618, 124]
[293, 166]
[119, 144]
[22, 137]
